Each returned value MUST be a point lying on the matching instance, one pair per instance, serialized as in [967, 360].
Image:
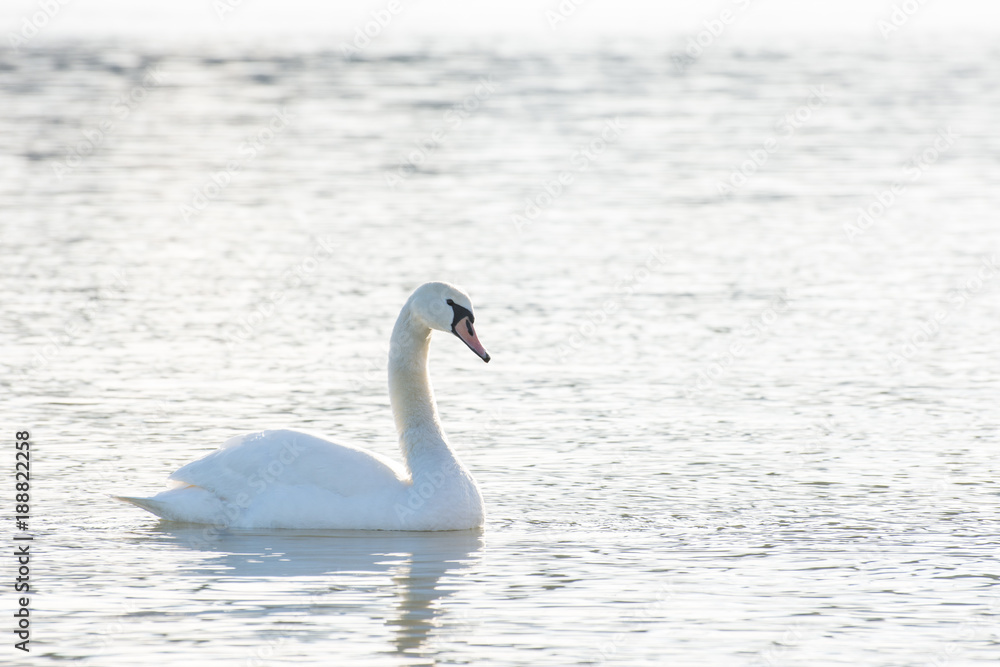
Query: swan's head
[447, 308]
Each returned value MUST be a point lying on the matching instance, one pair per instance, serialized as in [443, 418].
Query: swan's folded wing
[249, 465]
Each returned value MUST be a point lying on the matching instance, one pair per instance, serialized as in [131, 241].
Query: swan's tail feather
[153, 505]
[187, 504]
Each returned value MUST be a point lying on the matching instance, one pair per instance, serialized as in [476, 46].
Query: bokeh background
[736, 265]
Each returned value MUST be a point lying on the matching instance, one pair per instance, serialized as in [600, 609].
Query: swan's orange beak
[463, 329]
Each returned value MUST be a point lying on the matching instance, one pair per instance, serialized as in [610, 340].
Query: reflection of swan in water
[345, 564]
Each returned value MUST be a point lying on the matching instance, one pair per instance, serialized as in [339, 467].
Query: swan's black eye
[450, 302]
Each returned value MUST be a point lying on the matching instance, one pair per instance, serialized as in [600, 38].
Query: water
[718, 428]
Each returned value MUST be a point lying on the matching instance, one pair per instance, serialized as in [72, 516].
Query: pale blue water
[716, 430]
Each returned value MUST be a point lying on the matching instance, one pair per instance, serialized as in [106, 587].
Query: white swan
[290, 479]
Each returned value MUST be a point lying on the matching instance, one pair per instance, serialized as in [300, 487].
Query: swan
[292, 479]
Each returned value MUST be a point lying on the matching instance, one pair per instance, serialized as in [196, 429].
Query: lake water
[742, 408]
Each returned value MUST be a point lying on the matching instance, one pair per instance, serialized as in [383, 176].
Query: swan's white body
[291, 479]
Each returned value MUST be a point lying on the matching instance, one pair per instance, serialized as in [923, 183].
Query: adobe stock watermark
[225, 7]
[648, 612]
[703, 39]
[451, 121]
[786, 126]
[111, 632]
[982, 626]
[461, 624]
[292, 278]
[218, 181]
[561, 13]
[754, 328]
[94, 137]
[372, 30]
[376, 368]
[91, 311]
[423, 489]
[32, 25]
[494, 423]
[928, 329]
[624, 289]
[109, 472]
[373, 373]
[790, 638]
[267, 473]
[582, 159]
[265, 654]
[899, 16]
[913, 169]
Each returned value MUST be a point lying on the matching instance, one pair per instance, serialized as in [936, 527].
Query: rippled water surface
[722, 426]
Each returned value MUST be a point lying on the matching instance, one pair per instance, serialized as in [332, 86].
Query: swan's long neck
[420, 434]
